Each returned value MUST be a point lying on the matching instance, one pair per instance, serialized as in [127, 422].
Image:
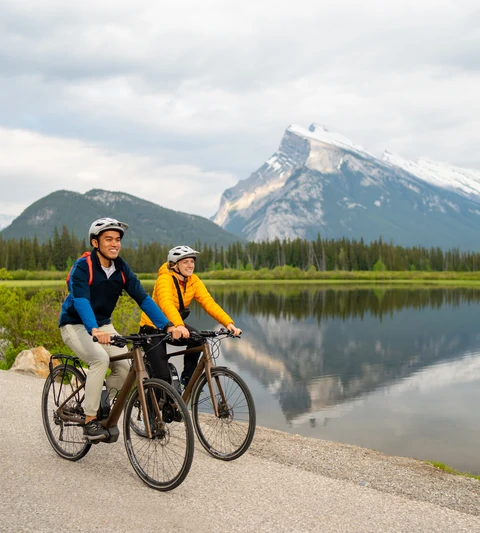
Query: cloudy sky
[175, 102]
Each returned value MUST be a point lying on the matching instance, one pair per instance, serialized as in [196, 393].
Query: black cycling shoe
[94, 431]
[171, 414]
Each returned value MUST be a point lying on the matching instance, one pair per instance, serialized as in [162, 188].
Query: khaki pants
[97, 356]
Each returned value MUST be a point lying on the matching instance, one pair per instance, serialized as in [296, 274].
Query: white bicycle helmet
[181, 252]
[104, 224]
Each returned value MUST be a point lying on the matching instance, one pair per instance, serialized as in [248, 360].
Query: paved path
[260, 492]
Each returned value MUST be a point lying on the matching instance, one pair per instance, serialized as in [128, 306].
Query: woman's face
[186, 266]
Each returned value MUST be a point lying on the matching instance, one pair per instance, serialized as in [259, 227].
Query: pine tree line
[60, 252]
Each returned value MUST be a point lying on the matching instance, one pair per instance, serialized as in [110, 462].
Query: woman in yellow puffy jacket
[175, 288]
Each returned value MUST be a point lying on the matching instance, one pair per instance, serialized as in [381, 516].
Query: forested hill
[148, 222]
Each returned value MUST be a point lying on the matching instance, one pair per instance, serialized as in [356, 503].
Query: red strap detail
[88, 256]
[90, 266]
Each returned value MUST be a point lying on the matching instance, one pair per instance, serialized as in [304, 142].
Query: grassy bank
[280, 275]
[449, 470]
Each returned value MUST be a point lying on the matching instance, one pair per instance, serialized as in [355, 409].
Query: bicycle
[161, 452]
[222, 407]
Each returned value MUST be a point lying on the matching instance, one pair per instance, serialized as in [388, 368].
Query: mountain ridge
[148, 222]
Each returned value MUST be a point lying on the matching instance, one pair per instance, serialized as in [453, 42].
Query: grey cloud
[218, 87]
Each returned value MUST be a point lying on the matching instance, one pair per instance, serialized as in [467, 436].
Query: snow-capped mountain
[319, 182]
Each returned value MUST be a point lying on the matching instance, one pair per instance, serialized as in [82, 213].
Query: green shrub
[30, 322]
[379, 266]
[5, 274]
[27, 323]
[126, 317]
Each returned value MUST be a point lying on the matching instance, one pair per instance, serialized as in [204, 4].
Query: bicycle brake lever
[118, 341]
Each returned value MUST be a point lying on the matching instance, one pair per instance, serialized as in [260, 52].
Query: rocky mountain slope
[319, 182]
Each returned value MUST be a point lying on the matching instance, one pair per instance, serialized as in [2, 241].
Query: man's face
[109, 243]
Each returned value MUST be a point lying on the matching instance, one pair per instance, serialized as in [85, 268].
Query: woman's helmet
[105, 224]
[181, 252]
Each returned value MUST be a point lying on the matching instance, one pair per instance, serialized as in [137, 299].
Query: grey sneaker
[94, 431]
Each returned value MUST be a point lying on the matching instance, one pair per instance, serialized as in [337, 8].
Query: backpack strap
[180, 299]
[88, 257]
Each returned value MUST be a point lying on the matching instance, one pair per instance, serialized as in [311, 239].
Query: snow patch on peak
[42, 216]
[108, 198]
[463, 180]
[321, 134]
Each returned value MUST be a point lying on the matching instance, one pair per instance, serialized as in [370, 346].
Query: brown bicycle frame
[204, 364]
[136, 373]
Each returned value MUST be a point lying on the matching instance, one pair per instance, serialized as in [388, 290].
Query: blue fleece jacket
[93, 305]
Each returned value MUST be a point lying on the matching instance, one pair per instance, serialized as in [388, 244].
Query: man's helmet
[105, 224]
[181, 252]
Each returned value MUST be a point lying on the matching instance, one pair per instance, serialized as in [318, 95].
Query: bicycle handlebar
[137, 338]
[141, 338]
[204, 334]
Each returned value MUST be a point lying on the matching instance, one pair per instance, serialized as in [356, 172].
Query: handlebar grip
[95, 339]
[206, 333]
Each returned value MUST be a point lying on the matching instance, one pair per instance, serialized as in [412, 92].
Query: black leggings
[158, 358]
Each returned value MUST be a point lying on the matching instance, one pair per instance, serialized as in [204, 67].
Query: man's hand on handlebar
[236, 332]
[103, 337]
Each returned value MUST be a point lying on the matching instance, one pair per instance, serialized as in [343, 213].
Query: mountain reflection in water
[395, 370]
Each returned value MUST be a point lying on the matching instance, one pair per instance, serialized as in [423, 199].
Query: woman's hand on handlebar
[103, 337]
[236, 332]
[182, 332]
[177, 332]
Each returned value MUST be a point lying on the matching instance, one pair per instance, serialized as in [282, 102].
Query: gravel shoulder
[410, 478]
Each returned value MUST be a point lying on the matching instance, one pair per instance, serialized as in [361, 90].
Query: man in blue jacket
[95, 283]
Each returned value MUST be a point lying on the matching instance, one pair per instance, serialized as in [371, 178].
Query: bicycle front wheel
[228, 435]
[65, 435]
[164, 460]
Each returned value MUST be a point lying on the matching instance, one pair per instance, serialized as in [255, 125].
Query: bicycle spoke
[65, 433]
[228, 435]
[164, 460]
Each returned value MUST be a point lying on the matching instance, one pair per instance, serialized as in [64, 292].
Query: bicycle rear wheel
[164, 460]
[228, 435]
[65, 436]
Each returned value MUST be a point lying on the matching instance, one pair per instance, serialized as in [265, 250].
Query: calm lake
[394, 370]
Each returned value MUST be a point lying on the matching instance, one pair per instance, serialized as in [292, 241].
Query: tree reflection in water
[319, 351]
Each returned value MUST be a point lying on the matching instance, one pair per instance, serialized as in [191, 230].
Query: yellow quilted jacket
[166, 297]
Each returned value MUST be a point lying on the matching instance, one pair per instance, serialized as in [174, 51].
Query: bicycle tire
[163, 461]
[229, 435]
[66, 437]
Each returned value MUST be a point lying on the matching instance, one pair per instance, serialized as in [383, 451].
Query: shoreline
[410, 478]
